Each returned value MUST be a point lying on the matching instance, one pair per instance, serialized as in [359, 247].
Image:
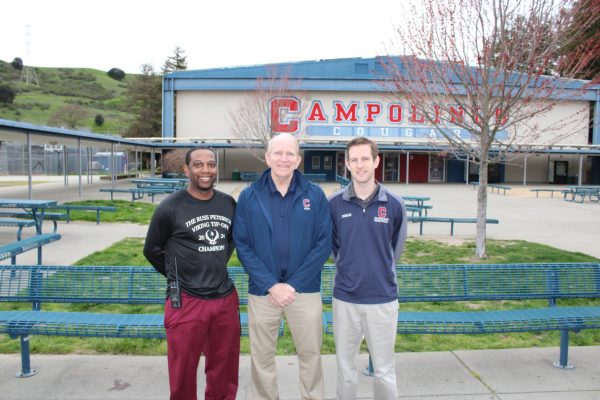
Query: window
[327, 162]
[316, 162]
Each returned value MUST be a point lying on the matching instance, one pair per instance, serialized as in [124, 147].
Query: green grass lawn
[418, 251]
[127, 211]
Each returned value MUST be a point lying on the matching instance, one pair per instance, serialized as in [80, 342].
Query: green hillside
[92, 89]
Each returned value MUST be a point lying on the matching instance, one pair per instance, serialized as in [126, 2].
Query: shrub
[116, 73]
[99, 120]
[17, 63]
[7, 94]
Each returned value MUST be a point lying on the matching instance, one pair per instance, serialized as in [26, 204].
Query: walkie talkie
[174, 292]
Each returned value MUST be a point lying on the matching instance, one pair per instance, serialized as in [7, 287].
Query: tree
[590, 36]
[144, 97]
[116, 73]
[17, 63]
[7, 94]
[487, 60]
[68, 116]
[173, 161]
[99, 120]
[176, 62]
[250, 120]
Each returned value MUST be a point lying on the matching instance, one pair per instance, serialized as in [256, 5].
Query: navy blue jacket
[310, 236]
[367, 243]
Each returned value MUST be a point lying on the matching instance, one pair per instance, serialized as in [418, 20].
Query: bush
[116, 73]
[7, 94]
[99, 120]
[17, 64]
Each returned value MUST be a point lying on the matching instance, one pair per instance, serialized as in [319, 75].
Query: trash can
[235, 175]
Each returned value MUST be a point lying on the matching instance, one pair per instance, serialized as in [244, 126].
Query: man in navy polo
[369, 231]
[282, 234]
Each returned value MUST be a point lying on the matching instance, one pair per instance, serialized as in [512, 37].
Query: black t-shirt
[192, 239]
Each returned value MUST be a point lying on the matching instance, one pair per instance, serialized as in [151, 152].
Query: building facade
[327, 102]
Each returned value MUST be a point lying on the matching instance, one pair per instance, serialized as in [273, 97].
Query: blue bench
[12, 250]
[138, 193]
[80, 207]
[132, 285]
[316, 177]
[249, 176]
[15, 222]
[451, 220]
[537, 191]
[54, 217]
[342, 181]
[492, 284]
[572, 193]
[418, 209]
[493, 186]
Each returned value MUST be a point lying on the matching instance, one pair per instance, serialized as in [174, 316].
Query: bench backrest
[92, 284]
[416, 283]
[458, 282]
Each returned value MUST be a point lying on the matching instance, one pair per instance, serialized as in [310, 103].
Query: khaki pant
[304, 319]
[377, 322]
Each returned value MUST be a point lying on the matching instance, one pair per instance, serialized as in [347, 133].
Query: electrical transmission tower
[28, 74]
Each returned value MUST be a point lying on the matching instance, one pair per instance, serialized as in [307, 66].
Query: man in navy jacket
[369, 230]
[282, 234]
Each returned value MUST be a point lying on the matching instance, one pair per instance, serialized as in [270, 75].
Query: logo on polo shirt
[381, 215]
[306, 204]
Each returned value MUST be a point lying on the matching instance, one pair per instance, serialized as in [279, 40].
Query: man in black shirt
[190, 241]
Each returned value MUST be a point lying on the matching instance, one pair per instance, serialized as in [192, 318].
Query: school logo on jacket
[381, 215]
[306, 204]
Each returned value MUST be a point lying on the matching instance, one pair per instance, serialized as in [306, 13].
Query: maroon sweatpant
[200, 326]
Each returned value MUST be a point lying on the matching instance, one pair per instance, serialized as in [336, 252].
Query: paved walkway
[516, 374]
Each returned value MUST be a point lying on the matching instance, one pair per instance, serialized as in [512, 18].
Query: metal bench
[418, 209]
[54, 217]
[249, 176]
[537, 191]
[452, 221]
[493, 186]
[342, 181]
[138, 193]
[20, 223]
[80, 207]
[12, 250]
[572, 193]
[316, 177]
[131, 285]
[490, 283]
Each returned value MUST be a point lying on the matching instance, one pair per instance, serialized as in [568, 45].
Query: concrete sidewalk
[515, 374]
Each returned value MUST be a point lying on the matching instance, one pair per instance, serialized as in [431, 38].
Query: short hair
[359, 140]
[188, 155]
[282, 135]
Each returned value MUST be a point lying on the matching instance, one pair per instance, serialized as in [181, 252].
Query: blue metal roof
[344, 74]
[339, 69]
[25, 127]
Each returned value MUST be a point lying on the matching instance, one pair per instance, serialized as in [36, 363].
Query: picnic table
[35, 208]
[574, 192]
[174, 183]
[418, 200]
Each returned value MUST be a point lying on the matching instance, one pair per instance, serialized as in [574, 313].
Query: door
[561, 172]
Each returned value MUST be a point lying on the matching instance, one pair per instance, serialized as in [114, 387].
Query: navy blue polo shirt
[281, 209]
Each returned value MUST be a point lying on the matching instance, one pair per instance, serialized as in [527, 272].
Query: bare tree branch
[488, 60]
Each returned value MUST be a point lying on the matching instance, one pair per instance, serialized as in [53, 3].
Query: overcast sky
[222, 33]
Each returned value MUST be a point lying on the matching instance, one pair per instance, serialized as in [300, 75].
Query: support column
[79, 160]
[407, 165]
[29, 168]
[525, 170]
[580, 177]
